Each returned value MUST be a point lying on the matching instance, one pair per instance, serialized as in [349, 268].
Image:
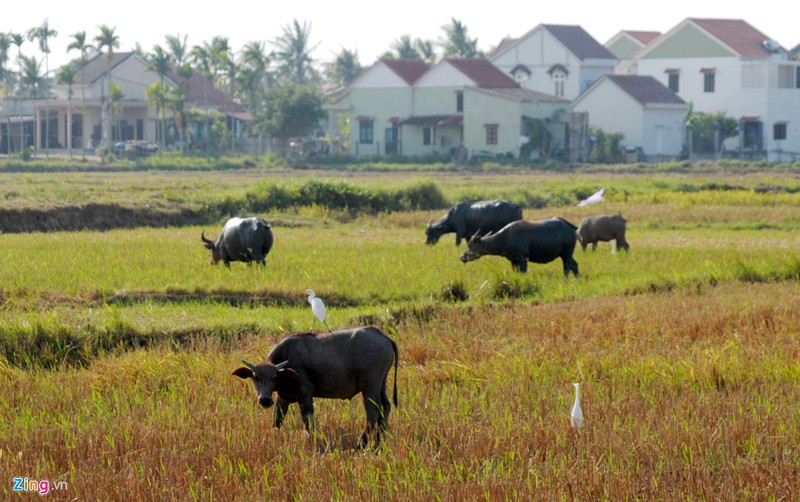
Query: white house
[456, 107]
[649, 115]
[554, 59]
[728, 66]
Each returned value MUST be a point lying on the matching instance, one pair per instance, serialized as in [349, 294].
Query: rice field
[118, 347]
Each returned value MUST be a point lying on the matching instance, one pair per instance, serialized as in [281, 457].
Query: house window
[674, 83]
[785, 77]
[521, 74]
[558, 81]
[779, 130]
[491, 134]
[708, 79]
[427, 135]
[459, 101]
[797, 78]
[365, 131]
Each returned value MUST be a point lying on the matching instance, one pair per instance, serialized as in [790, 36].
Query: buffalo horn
[249, 364]
[203, 237]
[429, 222]
[281, 365]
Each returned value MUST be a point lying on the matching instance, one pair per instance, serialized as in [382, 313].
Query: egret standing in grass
[317, 307]
[576, 417]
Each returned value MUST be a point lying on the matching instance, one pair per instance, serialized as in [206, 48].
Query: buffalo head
[265, 378]
[432, 233]
[475, 248]
[216, 255]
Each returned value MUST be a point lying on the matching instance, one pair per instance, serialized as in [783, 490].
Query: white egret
[576, 417]
[317, 307]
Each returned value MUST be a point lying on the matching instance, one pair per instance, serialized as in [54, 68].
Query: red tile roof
[579, 42]
[408, 69]
[202, 93]
[736, 34]
[646, 89]
[644, 37]
[482, 72]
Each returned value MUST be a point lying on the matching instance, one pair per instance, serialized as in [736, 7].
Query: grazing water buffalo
[523, 241]
[471, 217]
[335, 365]
[242, 239]
[603, 227]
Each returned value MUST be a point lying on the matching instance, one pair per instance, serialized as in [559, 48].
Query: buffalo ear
[243, 373]
[289, 372]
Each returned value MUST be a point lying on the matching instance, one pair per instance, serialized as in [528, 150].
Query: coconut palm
[156, 96]
[107, 39]
[17, 39]
[5, 78]
[179, 102]
[115, 97]
[457, 43]
[345, 68]
[293, 52]
[159, 62]
[404, 48]
[43, 33]
[80, 44]
[177, 48]
[67, 76]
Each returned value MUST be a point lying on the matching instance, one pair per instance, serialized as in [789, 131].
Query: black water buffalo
[603, 227]
[335, 365]
[523, 241]
[471, 217]
[242, 239]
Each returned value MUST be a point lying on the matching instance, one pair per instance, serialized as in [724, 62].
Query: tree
[176, 102]
[425, 50]
[17, 39]
[115, 97]
[31, 81]
[293, 52]
[709, 130]
[156, 95]
[80, 44]
[178, 48]
[290, 111]
[404, 48]
[5, 82]
[43, 33]
[160, 63]
[345, 68]
[67, 76]
[457, 43]
[108, 39]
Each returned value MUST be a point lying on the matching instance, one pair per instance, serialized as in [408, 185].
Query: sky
[369, 28]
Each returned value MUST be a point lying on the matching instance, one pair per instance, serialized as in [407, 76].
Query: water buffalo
[335, 365]
[603, 227]
[471, 217]
[523, 241]
[242, 239]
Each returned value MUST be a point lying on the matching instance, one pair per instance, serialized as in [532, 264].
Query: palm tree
[31, 79]
[67, 76]
[176, 102]
[425, 50]
[231, 71]
[115, 97]
[156, 96]
[345, 68]
[43, 34]
[5, 80]
[17, 39]
[159, 62]
[109, 40]
[79, 44]
[177, 48]
[185, 73]
[457, 43]
[294, 53]
[404, 48]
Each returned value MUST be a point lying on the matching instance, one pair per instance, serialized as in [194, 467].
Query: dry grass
[685, 395]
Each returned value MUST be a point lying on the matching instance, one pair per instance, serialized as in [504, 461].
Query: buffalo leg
[307, 413]
[281, 409]
[570, 265]
[373, 409]
[519, 263]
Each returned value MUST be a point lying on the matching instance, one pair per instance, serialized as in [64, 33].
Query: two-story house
[454, 108]
[560, 60]
[723, 65]
[625, 44]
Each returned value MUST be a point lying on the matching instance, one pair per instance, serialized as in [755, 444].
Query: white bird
[576, 417]
[593, 199]
[317, 307]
